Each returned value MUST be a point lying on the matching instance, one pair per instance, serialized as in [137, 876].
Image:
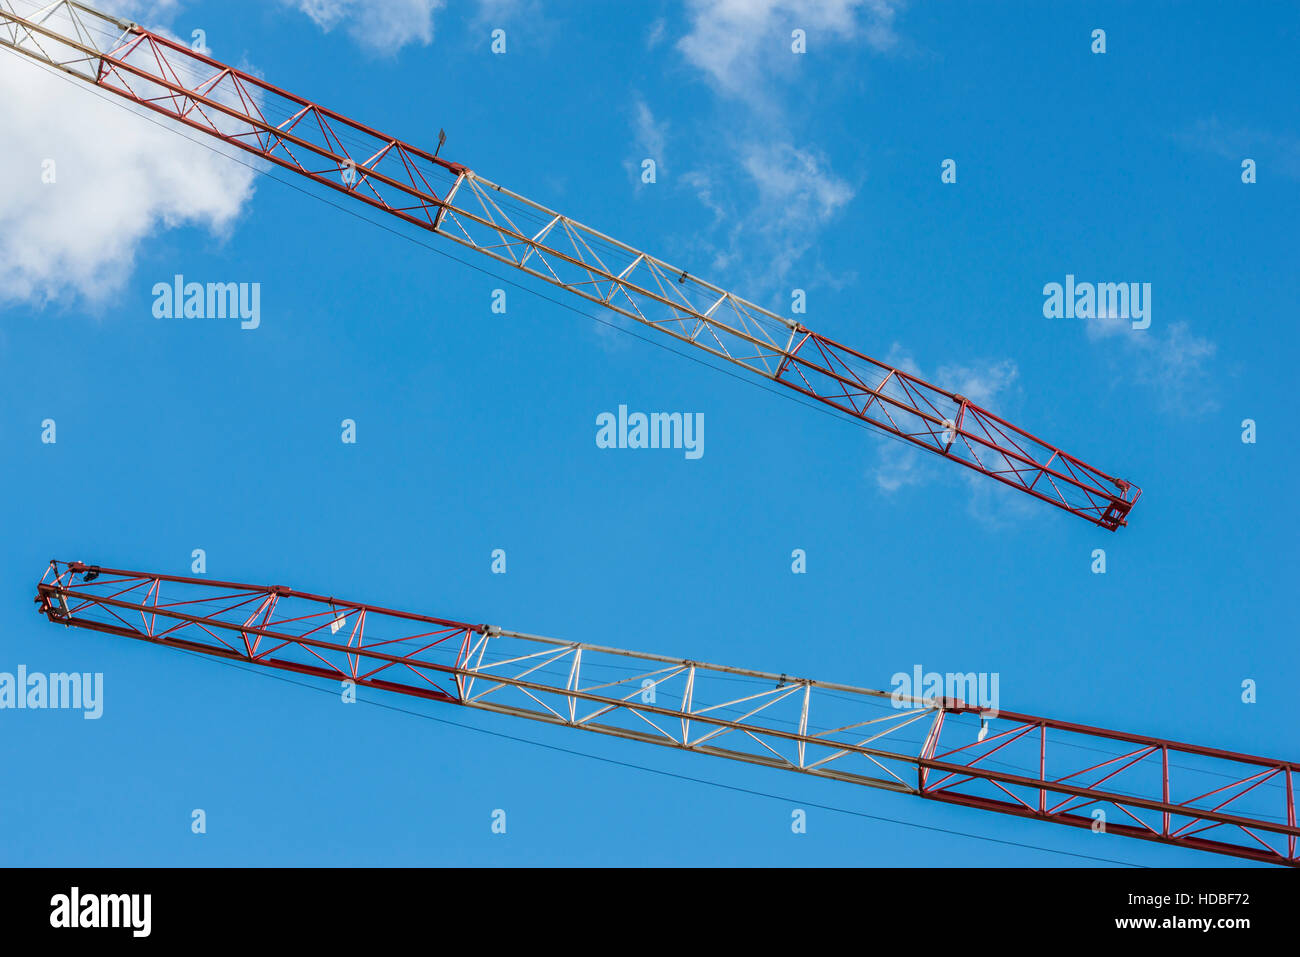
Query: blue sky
[476, 430]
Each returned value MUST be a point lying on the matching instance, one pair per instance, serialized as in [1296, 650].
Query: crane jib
[426, 191]
[937, 746]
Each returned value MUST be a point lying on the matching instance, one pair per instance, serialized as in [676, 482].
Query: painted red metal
[235, 621]
[1150, 810]
[428, 192]
[1156, 787]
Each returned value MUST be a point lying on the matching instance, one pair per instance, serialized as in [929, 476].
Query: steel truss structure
[938, 747]
[431, 193]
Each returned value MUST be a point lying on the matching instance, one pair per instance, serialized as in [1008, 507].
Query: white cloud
[787, 191]
[495, 11]
[649, 141]
[795, 182]
[651, 134]
[1273, 152]
[899, 464]
[147, 12]
[379, 26]
[656, 33]
[701, 184]
[900, 358]
[791, 194]
[982, 382]
[118, 179]
[1171, 359]
[798, 194]
[382, 27]
[738, 43]
[878, 25]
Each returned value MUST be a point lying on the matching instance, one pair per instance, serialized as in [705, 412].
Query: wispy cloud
[770, 191]
[381, 28]
[766, 225]
[1274, 152]
[1172, 360]
[505, 9]
[701, 184]
[655, 35]
[985, 383]
[149, 12]
[796, 195]
[900, 465]
[650, 138]
[794, 178]
[743, 45]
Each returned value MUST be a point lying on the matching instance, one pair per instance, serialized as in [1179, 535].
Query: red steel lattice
[1204, 799]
